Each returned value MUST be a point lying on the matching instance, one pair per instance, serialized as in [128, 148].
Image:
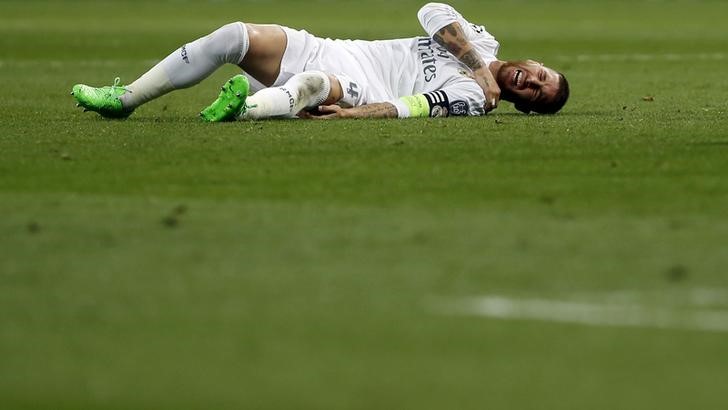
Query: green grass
[162, 263]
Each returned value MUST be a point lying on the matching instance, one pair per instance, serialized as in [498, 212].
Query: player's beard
[504, 78]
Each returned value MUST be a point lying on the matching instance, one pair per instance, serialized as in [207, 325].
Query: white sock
[189, 64]
[305, 90]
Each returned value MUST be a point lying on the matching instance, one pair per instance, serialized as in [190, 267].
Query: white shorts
[301, 55]
[305, 52]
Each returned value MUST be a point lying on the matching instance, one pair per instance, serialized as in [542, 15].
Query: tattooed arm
[452, 38]
[376, 110]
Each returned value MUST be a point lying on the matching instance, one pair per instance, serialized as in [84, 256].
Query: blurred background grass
[162, 263]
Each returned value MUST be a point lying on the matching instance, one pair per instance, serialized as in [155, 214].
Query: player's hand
[323, 112]
[490, 87]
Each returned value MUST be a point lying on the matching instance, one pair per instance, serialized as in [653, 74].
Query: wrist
[483, 72]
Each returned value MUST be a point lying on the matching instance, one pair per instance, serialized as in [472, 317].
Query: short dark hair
[550, 107]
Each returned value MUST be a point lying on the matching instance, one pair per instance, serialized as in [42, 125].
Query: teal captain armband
[434, 104]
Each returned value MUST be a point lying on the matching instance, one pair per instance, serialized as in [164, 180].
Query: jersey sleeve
[457, 99]
[434, 16]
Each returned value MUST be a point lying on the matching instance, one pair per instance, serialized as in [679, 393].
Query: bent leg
[267, 45]
[189, 64]
[303, 91]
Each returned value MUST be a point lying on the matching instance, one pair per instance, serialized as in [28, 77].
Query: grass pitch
[163, 263]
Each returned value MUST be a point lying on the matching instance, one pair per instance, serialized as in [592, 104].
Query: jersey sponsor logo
[429, 55]
[185, 58]
[439, 103]
[459, 108]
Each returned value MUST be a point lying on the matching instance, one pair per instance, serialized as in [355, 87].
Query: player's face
[527, 82]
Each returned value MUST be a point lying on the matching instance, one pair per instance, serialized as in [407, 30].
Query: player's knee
[228, 44]
[313, 87]
[312, 82]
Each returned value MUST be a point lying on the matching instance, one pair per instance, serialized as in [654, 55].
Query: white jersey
[388, 70]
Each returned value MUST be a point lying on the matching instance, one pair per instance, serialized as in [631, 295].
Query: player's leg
[267, 45]
[301, 92]
[254, 47]
[189, 65]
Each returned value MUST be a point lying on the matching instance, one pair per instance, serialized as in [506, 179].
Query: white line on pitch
[625, 57]
[639, 57]
[72, 63]
[696, 297]
[589, 314]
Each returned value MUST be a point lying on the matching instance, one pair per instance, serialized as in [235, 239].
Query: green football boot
[231, 102]
[103, 100]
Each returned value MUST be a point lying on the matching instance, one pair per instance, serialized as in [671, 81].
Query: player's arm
[452, 38]
[442, 22]
[438, 103]
[376, 110]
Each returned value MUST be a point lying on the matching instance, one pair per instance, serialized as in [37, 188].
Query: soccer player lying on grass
[289, 72]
